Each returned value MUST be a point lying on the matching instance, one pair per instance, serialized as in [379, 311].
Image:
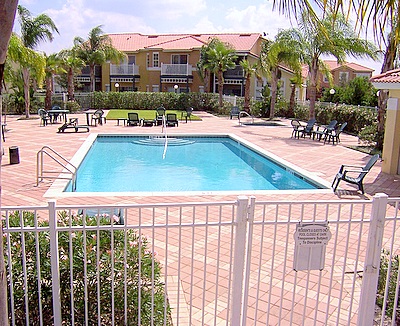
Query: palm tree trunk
[49, 91]
[8, 9]
[313, 87]
[220, 87]
[274, 88]
[70, 87]
[246, 105]
[292, 100]
[25, 76]
[92, 78]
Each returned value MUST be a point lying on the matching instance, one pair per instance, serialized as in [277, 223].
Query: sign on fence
[310, 244]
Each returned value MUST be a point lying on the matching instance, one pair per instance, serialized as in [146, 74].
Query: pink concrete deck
[19, 180]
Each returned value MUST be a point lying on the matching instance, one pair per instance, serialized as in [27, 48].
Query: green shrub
[393, 286]
[96, 247]
[73, 106]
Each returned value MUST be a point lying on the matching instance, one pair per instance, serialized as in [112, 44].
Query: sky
[77, 17]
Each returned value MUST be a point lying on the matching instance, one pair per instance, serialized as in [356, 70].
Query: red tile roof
[133, 42]
[333, 65]
[391, 76]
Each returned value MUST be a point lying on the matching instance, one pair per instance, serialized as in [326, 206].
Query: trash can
[14, 155]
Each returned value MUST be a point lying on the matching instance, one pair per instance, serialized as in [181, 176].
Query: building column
[391, 144]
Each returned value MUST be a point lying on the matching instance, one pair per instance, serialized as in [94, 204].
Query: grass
[114, 114]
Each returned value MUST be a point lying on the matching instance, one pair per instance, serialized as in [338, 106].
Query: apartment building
[168, 63]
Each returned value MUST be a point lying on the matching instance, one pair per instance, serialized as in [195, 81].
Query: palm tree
[220, 57]
[97, 50]
[8, 9]
[334, 36]
[33, 31]
[28, 60]
[286, 50]
[73, 65]
[249, 70]
[53, 66]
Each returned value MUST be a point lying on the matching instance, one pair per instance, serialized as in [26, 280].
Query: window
[343, 77]
[179, 59]
[155, 88]
[131, 59]
[156, 59]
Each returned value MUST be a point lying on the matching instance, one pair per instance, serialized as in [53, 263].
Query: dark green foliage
[357, 117]
[100, 281]
[392, 287]
[358, 91]
[151, 101]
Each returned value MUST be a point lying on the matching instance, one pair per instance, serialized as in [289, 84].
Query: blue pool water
[136, 164]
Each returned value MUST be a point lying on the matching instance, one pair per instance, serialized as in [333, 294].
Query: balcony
[124, 70]
[176, 70]
[237, 72]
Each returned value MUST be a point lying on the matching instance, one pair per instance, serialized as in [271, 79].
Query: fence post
[239, 259]
[372, 261]
[54, 261]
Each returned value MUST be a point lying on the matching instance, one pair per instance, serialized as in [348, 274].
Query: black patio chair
[359, 173]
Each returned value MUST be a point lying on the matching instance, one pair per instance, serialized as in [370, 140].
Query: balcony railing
[176, 69]
[86, 71]
[124, 69]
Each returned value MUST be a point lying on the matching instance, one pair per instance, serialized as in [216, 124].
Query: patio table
[55, 113]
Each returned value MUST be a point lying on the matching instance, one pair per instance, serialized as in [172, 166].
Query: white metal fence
[243, 262]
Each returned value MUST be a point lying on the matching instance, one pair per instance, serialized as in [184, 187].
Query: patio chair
[334, 136]
[308, 128]
[133, 119]
[234, 112]
[98, 117]
[160, 112]
[325, 132]
[359, 171]
[187, 114]
[171, 120]
[44, 117]
[297, 128]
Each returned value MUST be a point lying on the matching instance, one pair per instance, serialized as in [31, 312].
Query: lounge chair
[308, 128]
[133, 119]
[334, 136]
[297, 128]
[44, 117]
[234, 112]
[116, 214]
[171, 120]
[73, 124]
[359, 171]
[325, 132]
[160, 112]
[98, 117]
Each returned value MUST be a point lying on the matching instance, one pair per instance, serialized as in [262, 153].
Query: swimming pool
[192, 163]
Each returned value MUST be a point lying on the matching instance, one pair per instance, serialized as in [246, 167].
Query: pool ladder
[69, 172]
[245, 115]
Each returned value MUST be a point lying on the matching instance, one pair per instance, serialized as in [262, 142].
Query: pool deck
[19, 188]
[18, 181]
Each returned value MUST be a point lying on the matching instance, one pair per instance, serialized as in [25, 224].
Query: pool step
[160, 141]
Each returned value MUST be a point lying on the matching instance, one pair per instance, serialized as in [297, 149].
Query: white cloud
[257, 19]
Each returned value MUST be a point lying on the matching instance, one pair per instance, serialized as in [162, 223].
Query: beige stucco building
[391, 147]
[168, 63]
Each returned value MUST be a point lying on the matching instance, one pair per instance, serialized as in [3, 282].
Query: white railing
[176, 69]
[236, 262]
[124, 69]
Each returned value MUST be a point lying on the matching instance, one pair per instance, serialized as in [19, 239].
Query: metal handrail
[58, 158]
[245, 114]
